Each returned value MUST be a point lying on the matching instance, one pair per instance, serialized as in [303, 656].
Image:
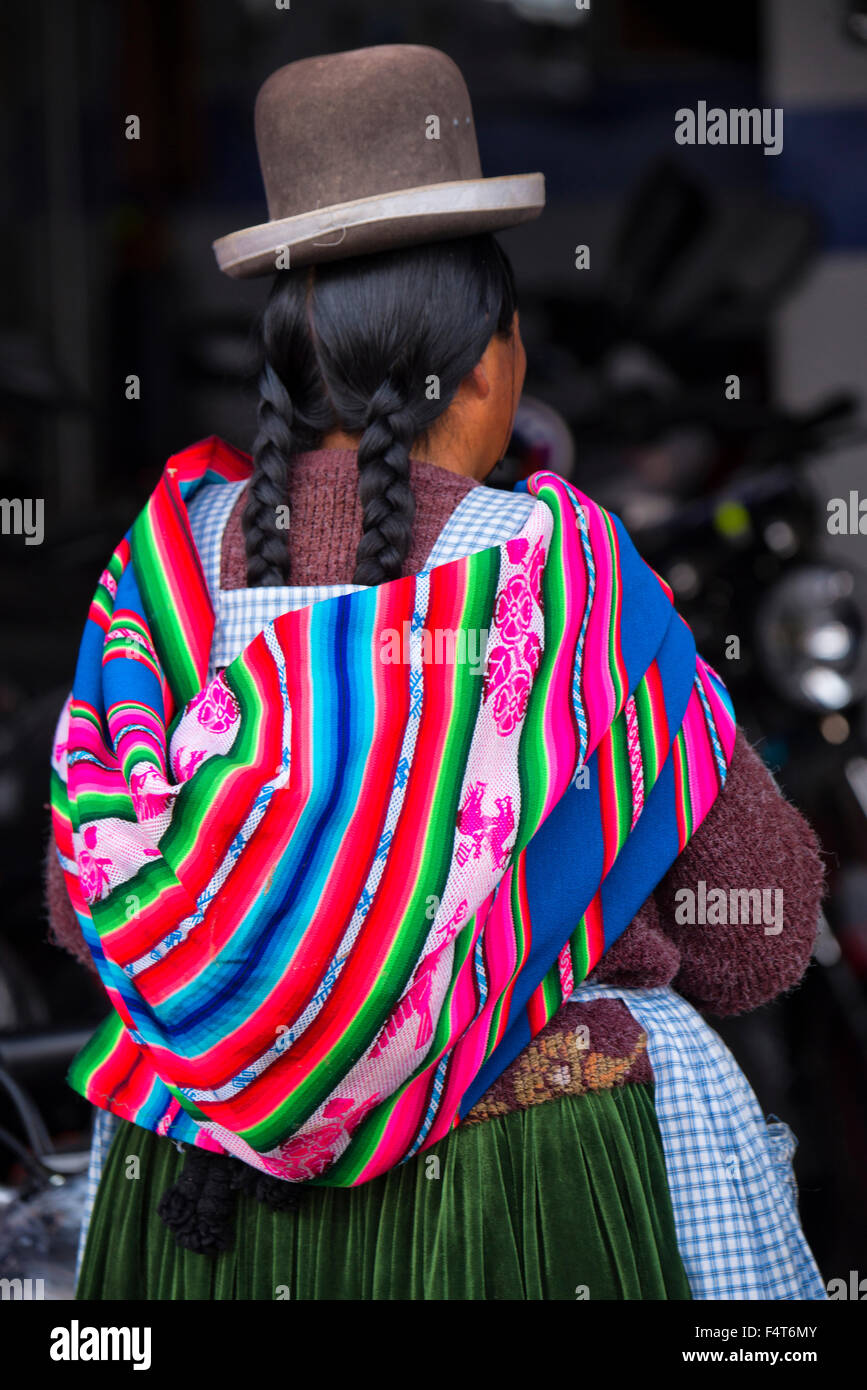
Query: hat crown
[350, 125]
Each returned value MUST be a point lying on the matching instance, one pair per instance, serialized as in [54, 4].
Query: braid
[384, 488]
[267, 551]
[288, 424]
[356, 345]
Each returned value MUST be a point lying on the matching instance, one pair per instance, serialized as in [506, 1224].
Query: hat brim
[406, 217]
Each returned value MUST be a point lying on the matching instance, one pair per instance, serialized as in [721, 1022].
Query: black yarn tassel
[200, 1207]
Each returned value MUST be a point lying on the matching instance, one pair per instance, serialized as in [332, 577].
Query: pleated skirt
[566, 1200]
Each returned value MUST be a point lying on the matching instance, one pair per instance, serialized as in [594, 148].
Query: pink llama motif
[150, 798]
[513, 612]
[479, 827]
[92, 870]
[511, 702]
[416, 1001]
[186, 761]
[215, 707]
[308, 1155]
[109, 582]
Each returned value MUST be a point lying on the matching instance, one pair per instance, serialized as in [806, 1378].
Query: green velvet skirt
[566, 1200]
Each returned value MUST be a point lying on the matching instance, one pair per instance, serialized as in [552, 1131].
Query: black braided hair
[376, 346]
[286, 426]
[267, 556]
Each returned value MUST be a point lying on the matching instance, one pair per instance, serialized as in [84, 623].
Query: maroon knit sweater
[751, 837]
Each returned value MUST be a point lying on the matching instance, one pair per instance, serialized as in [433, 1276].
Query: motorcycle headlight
[810, 637]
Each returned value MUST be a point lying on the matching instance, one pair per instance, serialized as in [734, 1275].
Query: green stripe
[552, 991]
[622, 778]
[160, 612]
[646, 735]
[94, 805]
[580, 952]
[683, 772]
[94, 1053]
[58, 795]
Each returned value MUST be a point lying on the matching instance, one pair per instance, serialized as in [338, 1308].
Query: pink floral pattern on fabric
[514, 611]
[513, 662]
[208, 726]
[215, 707]
[511, 702]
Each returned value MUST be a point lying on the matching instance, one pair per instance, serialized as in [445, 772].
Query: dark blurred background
[703, 375]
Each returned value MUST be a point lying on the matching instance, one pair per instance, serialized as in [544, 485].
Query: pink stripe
[703, 781]
[725, 725]
[599, 698]
[559, 724]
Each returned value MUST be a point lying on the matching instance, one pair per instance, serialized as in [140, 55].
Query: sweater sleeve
[752, 838]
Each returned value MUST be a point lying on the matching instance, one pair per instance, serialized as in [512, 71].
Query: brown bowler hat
[368, 150]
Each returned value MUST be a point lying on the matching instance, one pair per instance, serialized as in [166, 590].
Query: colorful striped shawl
[332, 894]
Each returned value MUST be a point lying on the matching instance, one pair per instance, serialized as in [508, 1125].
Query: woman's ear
[477, 381]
